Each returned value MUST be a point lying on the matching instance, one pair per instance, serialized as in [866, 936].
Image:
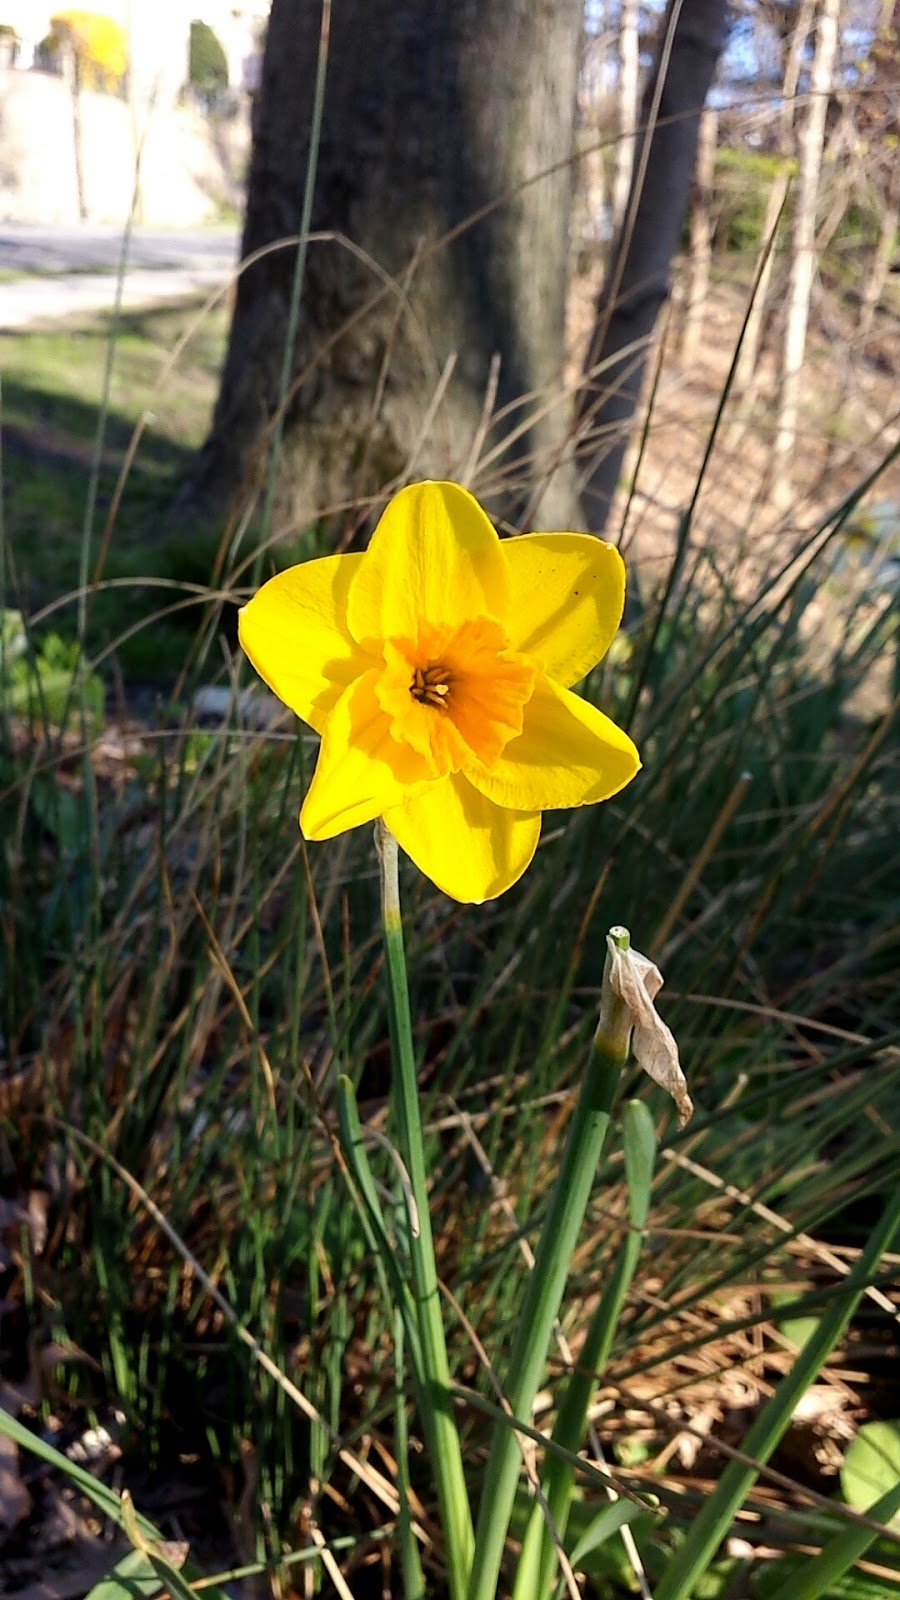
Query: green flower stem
[538, 1561]
[442, 1437]
[568, 1202]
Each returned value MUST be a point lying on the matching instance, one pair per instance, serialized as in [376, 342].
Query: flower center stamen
[455, 694]
[431, 686]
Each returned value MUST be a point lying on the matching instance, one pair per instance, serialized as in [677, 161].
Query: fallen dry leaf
[15, 1501]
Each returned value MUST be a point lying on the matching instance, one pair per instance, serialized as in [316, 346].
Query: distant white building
[158, 33]
[154, 148]
[30, 21]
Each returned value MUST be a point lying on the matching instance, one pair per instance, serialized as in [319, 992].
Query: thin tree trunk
[435, 112]
[803, 264]
[627, 107]
[72, 69]
[749, 352]
[839, 145]
[886, 51]
[880, 265]
[134, 122]
[700, 258]
[637, 283]
[78, 145]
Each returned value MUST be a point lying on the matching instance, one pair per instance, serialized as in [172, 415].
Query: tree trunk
[841, 175]
[803, 261]
[131, 96]
[884, 112]
[880, 264]
[435, 111]
[72, 71]
[749, 351]
[700, 259]
[627, 106]
[637, 283]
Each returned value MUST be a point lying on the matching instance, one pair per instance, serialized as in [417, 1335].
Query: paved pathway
[62, 271]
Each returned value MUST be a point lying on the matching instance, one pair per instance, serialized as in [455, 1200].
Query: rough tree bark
[692, 36]
[434, 109]
[803, 259]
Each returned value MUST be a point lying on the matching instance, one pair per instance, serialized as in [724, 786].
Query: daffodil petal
[433, 555]
[361, 770]
[295, 632]
[566, 600]
[568, 754]
[469, 847]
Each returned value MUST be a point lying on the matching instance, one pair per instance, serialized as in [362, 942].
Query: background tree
[94, 45]
[636, 286]
[700, 259]
[878, 119]
[207, 62]
[765, 90]
[803, 261]
[627, 105]
[435, 112]
[794, 45]
[91, 52]
[444, 184]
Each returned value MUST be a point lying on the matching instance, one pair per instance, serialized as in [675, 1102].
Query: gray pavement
[61, 271]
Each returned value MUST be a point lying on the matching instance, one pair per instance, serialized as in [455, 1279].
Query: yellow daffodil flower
[437, 668]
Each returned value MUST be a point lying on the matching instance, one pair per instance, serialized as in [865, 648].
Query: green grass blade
[818, 1576]
[103, 412]
[396, 1289]
[354, 1149]
[691, 1560]
[290, 341]
[438, 1415]
[105, 1499]
[176, 1587]
[565, 1214]
[608, 1521]
[410, 1559]
[122, 1513]
[130, 1578]
[538, 1560]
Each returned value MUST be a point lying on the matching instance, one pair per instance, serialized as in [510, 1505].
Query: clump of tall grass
[185, 983]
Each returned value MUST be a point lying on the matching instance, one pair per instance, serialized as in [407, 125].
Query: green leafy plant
[207, 62]
[743, 179]
[96, 44]
[41, 683]
[871, 1468]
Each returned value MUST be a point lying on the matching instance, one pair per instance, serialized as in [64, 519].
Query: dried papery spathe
[637, 981]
